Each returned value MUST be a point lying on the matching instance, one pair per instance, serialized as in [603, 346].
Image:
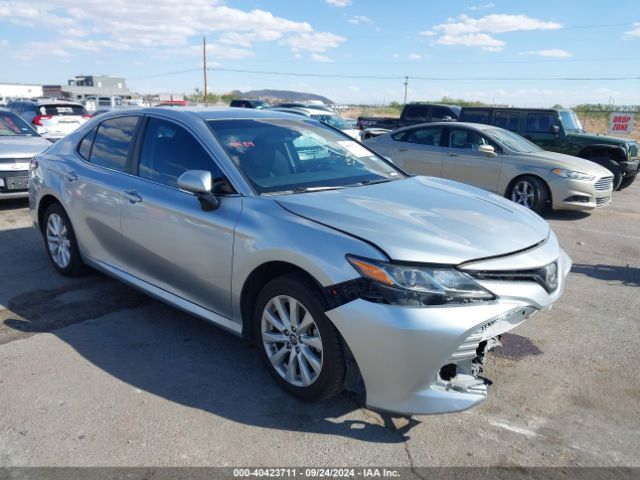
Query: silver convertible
[500, 161]
[287, 232]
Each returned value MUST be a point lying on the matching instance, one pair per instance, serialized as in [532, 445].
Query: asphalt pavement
[94, 373]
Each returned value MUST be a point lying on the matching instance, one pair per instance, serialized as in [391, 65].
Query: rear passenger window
[169, 150]
[422, 136]
[84, 148]
[416, 113]
[540, 122]
[440, 113]
[476, 116]
[113, 142]
[509, 120]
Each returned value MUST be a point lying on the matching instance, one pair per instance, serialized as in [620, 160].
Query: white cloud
[551, 52]
[635, 33]
[339, 3]
[483, 6]
[162, 24]
[486, 42]
[358, 19]
[478, 32]
[312, 42]
[414, 56]
[396, 55]
[320, 58]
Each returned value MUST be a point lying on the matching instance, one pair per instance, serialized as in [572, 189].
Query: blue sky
[501, 51]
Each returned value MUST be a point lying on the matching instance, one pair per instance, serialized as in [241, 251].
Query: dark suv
[561, 131]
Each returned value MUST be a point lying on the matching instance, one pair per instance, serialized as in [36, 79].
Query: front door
[172, 243]
[463, 162]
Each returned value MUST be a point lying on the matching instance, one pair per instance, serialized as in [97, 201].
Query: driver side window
[168, 150]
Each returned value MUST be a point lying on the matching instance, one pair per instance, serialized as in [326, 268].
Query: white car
[53, 119]
[327, 117]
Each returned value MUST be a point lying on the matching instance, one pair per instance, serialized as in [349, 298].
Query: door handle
[403, 149]
[452, 154]
[132, 196]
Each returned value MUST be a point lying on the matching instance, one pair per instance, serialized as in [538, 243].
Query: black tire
[330, 380]
[540, 198]
[75, 266]
[627, 181]
[612, 166]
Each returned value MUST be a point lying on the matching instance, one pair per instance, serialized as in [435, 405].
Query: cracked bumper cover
[401, 350]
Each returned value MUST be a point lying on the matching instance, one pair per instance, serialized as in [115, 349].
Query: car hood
[424, 219]
[22, 147]
[594, 138]
[569, 162]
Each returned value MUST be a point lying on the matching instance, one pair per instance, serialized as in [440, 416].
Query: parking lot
[95, 373]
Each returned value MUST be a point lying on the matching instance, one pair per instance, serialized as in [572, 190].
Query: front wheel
[300, 346]
[613, 167]
[530, 192]
[627, 181]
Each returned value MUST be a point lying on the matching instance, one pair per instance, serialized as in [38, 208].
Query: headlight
[573, 175]
[417, 285]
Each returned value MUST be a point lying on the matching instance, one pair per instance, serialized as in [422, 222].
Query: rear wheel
[530, 192]
[627, 181]
[60, 241]
[300, 346]
[612, 166]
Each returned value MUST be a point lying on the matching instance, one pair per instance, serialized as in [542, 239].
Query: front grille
[633, 150]
[602, 201]
[605, 183]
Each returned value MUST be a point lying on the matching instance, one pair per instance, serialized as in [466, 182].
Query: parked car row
[554, 130]
[52, 118]
[499, 161]
[330, 258]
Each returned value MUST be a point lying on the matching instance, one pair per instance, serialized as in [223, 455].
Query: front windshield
[12, 125]
[289, 156]
[570, 121]
[512, 141]
[333, 120]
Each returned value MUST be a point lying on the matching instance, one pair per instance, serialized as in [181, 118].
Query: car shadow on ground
[565, 215]
[623, 275]
[13, 204]
[182, 359]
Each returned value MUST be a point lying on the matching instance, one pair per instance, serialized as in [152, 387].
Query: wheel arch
[515, 179]
[614, 152]
[257, 279]
[45, 202]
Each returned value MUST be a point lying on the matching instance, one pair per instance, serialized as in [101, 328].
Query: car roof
[520, 109]
[477, 126]
[206, 113]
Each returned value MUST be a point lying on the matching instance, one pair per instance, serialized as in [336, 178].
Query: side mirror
[555, 129]
[488, 150]
[200, 183]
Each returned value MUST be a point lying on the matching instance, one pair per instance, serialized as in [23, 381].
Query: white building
[19, 90]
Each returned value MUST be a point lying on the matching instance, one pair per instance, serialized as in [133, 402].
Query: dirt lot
[95, 373]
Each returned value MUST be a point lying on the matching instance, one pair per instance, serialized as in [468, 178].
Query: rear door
[170, 241]
[60, 119]
[463, 162]
[418, 150]
[93, 187]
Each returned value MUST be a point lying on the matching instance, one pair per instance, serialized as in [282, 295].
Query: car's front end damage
[432, 359]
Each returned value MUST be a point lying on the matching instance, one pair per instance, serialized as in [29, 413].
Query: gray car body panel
[199, 261]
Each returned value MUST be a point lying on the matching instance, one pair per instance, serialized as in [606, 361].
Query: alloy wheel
[58, 241]
[292, 340]
[523, 194]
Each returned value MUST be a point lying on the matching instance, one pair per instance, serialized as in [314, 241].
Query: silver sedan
[499, 161]
[19, 143]
[289, 233]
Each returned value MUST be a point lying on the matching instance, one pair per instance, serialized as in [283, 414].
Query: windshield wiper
[373, 182]
[314, 189]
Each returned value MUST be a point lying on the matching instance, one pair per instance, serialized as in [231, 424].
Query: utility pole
[406, 83]
[204, 62]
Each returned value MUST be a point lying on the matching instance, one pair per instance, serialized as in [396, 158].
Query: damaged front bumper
[429, 360]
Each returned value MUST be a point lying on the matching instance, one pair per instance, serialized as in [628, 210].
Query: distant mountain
[285, 96]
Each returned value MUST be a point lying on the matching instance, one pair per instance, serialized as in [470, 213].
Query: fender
[615, 152]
